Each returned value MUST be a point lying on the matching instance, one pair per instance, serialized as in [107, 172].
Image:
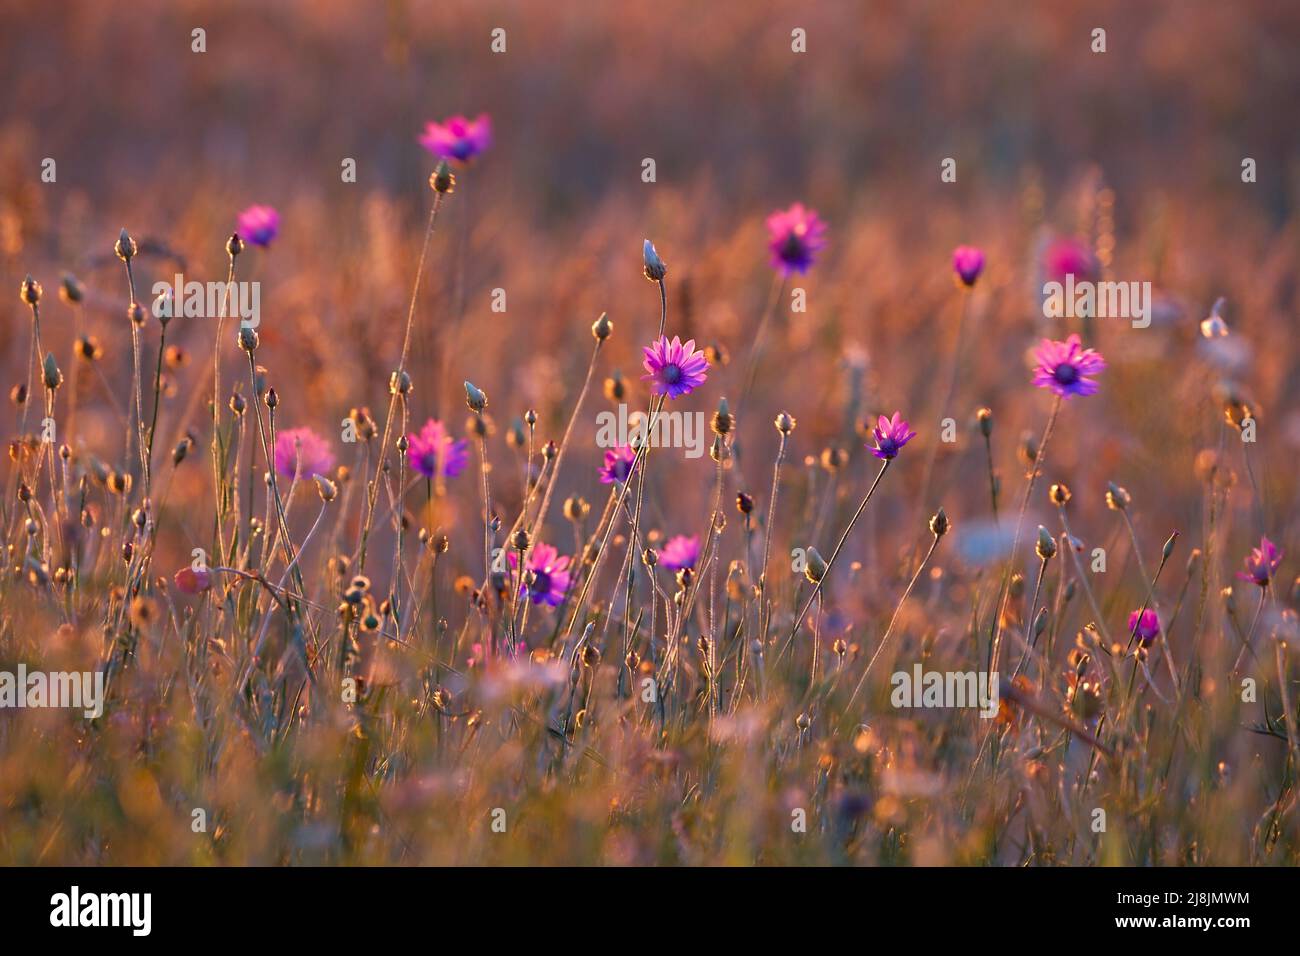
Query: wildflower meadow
[758, 434]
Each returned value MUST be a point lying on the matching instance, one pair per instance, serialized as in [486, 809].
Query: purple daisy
[301, 453]
[458, 139]
[1064, 366]
[793, 236]
[1145, 626]
[968, 263]
[675, 369]
[548, 580]
[1070, 257]
[680, 552]
[1262, 563]
[434, 453]
[618, 465]
[891, 434]
[258, 225]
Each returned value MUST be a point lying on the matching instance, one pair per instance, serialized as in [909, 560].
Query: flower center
[672, 374]
[1066, 374]
[541, 582]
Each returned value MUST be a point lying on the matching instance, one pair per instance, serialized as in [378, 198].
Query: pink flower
[1262, 563]
[1064, 366]
[258, 225]
[301, 453]
[1070, 257]
[458, 139]
[794, 235]
[191, 581]
[968, 263]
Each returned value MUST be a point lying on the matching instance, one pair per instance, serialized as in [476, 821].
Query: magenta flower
[548, 579]
[458, 139]
[1070, 257]
[675, 369]
[258, 225]
[1064, 366]
[968, 263]
[793, 236]
[680, 552]
[434, 453]
[891, 434]
[1262, 563]
[1145, 626]
[301, 453]
[618, 465]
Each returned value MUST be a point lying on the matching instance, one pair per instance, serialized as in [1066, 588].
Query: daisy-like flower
[548, 579]
[1262, 563]
[1064, 367]
[968, 263]
[258, 225]
[680, 552]
[1145, 626]
[675, 369]
[301, 453]
[890, 434]
[618, 465]
[458, 139]
[1070, 257]
[434, 453]
[793, 236]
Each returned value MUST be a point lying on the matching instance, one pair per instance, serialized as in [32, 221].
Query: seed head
[327, 489]
[70, 289]
[474, 398]
[248, 340]
[723, 420]
[1117, 498]
[939, 523]
[52, 376]
[30, 291]
[443, 179]
[815, 566]
[234, 245]
[1046, 548]
[125, 246]
[785, 423]
[602, 327]
[985, 418]
[1059, 494]
[744, 503]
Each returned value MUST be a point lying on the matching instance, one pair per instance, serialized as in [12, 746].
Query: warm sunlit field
[365, 556]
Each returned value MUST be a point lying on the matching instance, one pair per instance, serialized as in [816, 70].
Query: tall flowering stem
[1005, 593]
[373, 490]
[839, 545]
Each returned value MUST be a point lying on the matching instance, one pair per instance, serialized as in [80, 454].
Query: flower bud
[1046, 548]
[939, 523]
[602, 327]
[474, 398]
[655, 270]
[125, 246]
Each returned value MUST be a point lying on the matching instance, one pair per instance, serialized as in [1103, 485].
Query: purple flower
[793, 235]
[434, 453]
[1064, 366]
[301, 453]
[891, 434]
[1070, 257]
[1262, 563]
[968, 263]
[548, 580]
[675, 369]
[1146, 626]
[618, 465]
[258, 225]
[458, 139]
[680, 552]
